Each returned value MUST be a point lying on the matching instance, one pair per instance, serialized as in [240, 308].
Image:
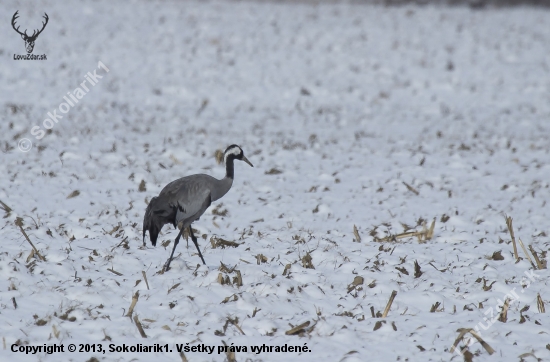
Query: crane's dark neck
[229, 168]
[223, 185]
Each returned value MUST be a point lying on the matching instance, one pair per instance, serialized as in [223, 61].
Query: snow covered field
[366, 116]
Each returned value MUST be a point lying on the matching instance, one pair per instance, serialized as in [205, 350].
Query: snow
[339, 106]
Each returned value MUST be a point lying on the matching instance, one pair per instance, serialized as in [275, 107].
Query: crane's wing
[190, 197]
[183, 200]
[191, 205]
[158, 213]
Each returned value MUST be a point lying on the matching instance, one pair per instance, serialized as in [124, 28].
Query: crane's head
[234, 152]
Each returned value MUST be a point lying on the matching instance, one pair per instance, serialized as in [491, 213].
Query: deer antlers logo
[29, 40]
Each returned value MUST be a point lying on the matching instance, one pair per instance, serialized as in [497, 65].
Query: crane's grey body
[186, 199]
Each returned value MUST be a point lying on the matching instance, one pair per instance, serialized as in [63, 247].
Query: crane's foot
[166, 265]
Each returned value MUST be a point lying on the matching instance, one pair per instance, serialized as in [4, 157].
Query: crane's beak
[246, 160]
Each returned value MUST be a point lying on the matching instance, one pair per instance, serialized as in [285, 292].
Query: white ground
[349, 102]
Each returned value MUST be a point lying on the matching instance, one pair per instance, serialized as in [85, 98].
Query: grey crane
[186, 199]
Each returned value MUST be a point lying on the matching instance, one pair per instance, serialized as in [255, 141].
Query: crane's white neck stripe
[234, 151]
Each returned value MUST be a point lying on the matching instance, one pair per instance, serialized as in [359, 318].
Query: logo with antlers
[29, 40]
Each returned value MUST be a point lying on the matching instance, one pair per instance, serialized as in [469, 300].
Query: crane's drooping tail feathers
[152, 222]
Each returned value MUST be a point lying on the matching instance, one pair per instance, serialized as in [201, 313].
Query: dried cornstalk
[410, 188]
[139, 327]
[55, 331]
[356, 234]
[230, 355]
[6, 208]
[219, 156]
[173, 287]
[463, 331]
[183, 358]
[388, 306]
[19, 222]
[135, 298]
[145, 278]
[540, 304]
[430, 232]
[115, 272]
[434, 307]
[357, 281]
[297, 329]
[307, 261]
[483, 343]
[31, 255]
[239, 279]
[511, 231]
[422, 235]
[378, 325]
[405, 235]
[287, 269]
[223, 268]
[526, 253]
[417, 271]
[539, 263]
[504, 312]
[232, 321]
[221, 243]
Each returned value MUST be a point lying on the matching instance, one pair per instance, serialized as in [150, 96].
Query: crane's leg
[196, 243]
[167, 265]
